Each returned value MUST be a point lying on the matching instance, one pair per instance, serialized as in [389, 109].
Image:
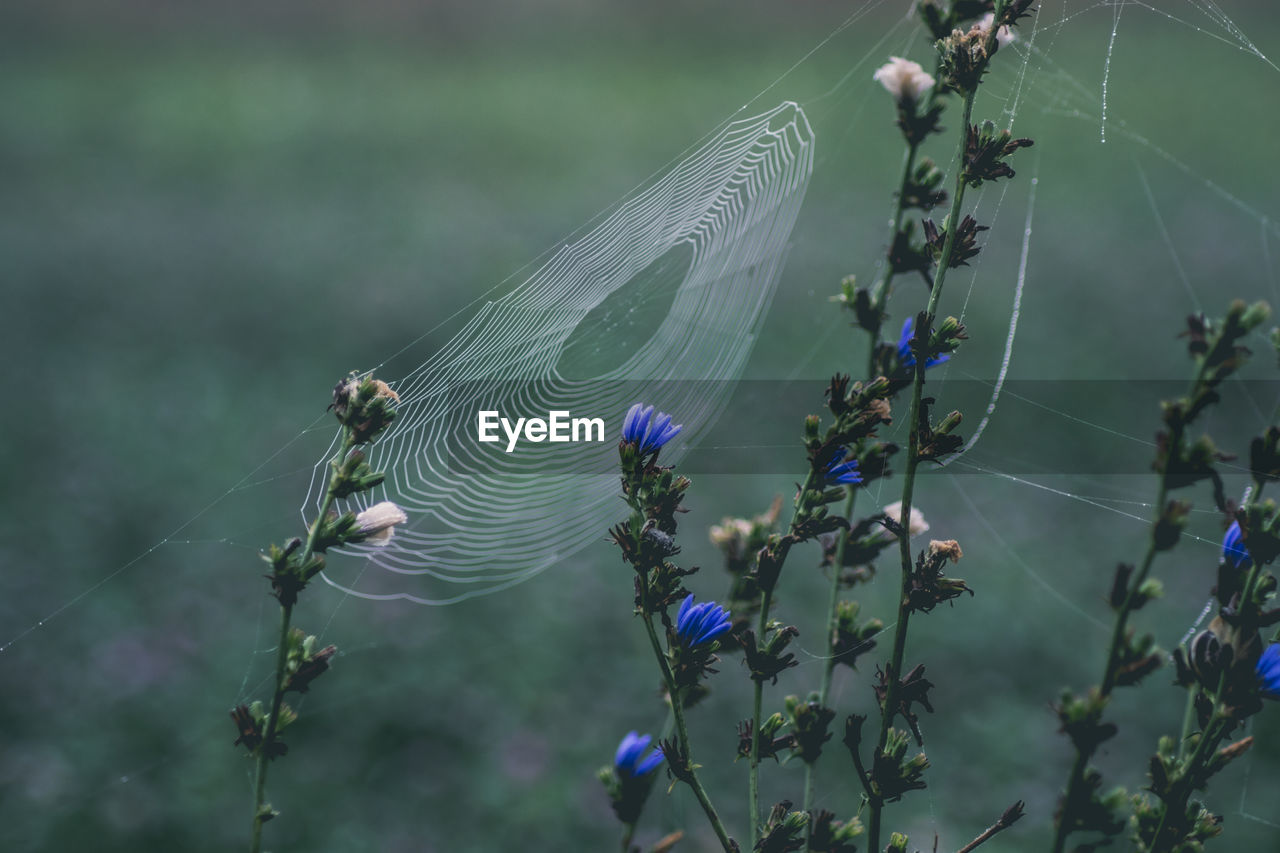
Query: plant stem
[683, 731]
[1078, 767]
[829, 664]
[260, 777]
[894, 668]
[757, 692]
[880, 293]
[1188, 715]
[261, 813]
[1209, 739]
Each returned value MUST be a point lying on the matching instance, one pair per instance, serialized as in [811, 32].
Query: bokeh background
[212, 212]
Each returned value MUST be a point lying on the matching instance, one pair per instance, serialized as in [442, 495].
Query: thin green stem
[260, 811]
[682, 731]
[757, 693]
[880, 292]
[1110, 673]
[1188, 716]
[766, 599]
[260, 777]
[1209, 739]
[893, 669]
[628, 831]
[829, 665]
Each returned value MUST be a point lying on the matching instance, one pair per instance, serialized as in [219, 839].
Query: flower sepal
[365, 406]
[784, 830]
[852, 638]
[829, 835]
[809, 721]
[766, 660]
[893, 773]
[771, 743]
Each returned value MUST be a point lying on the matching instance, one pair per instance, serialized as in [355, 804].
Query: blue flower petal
[1233, 550]
[628, 760]
[637, 420]
[906, 357]
[648, 430]
[682, 616]
[1268, 671]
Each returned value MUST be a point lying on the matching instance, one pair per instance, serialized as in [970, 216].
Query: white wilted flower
[1003, 36]
[733, 529]
[917, 526]
[903, 79]
[378, 523]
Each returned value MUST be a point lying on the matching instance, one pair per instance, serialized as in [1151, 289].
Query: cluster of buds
[771, 742]
[784, 830]
[365, 407]
[809, 721]
[966, 53]
[927, 586]
[964, 245]
[934, 441]
[921, 343]
[912, 689]
[853, 638]
[654, 493]
[828, 835]
[893, 772]
[1198, 826]
[985, 152]
[1216, 348]
[740, 540]
[768, 658]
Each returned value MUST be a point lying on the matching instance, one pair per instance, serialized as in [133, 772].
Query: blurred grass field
[210, 216]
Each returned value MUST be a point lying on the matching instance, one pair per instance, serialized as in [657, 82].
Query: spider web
[671, 287]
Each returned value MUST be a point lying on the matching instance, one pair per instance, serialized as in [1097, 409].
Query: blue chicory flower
[1233, 550]
[701, 623]
[1268, 671]
[641, 427]
[839, 472]
[628, 761]
[907, 358]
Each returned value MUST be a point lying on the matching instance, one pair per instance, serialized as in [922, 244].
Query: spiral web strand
[698, 253]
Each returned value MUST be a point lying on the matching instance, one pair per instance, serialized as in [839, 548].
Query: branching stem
[682, 731]
[262, 813]
[893, 669]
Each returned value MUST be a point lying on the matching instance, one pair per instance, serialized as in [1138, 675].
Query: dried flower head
[1004, 35]
[946, 549]
[903, 79]
[917, 523]
[730, 531]
[377, 524]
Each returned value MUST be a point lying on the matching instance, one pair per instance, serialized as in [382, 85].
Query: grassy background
[209, 217]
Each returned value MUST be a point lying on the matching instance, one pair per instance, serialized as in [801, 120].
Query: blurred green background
[211, 213]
